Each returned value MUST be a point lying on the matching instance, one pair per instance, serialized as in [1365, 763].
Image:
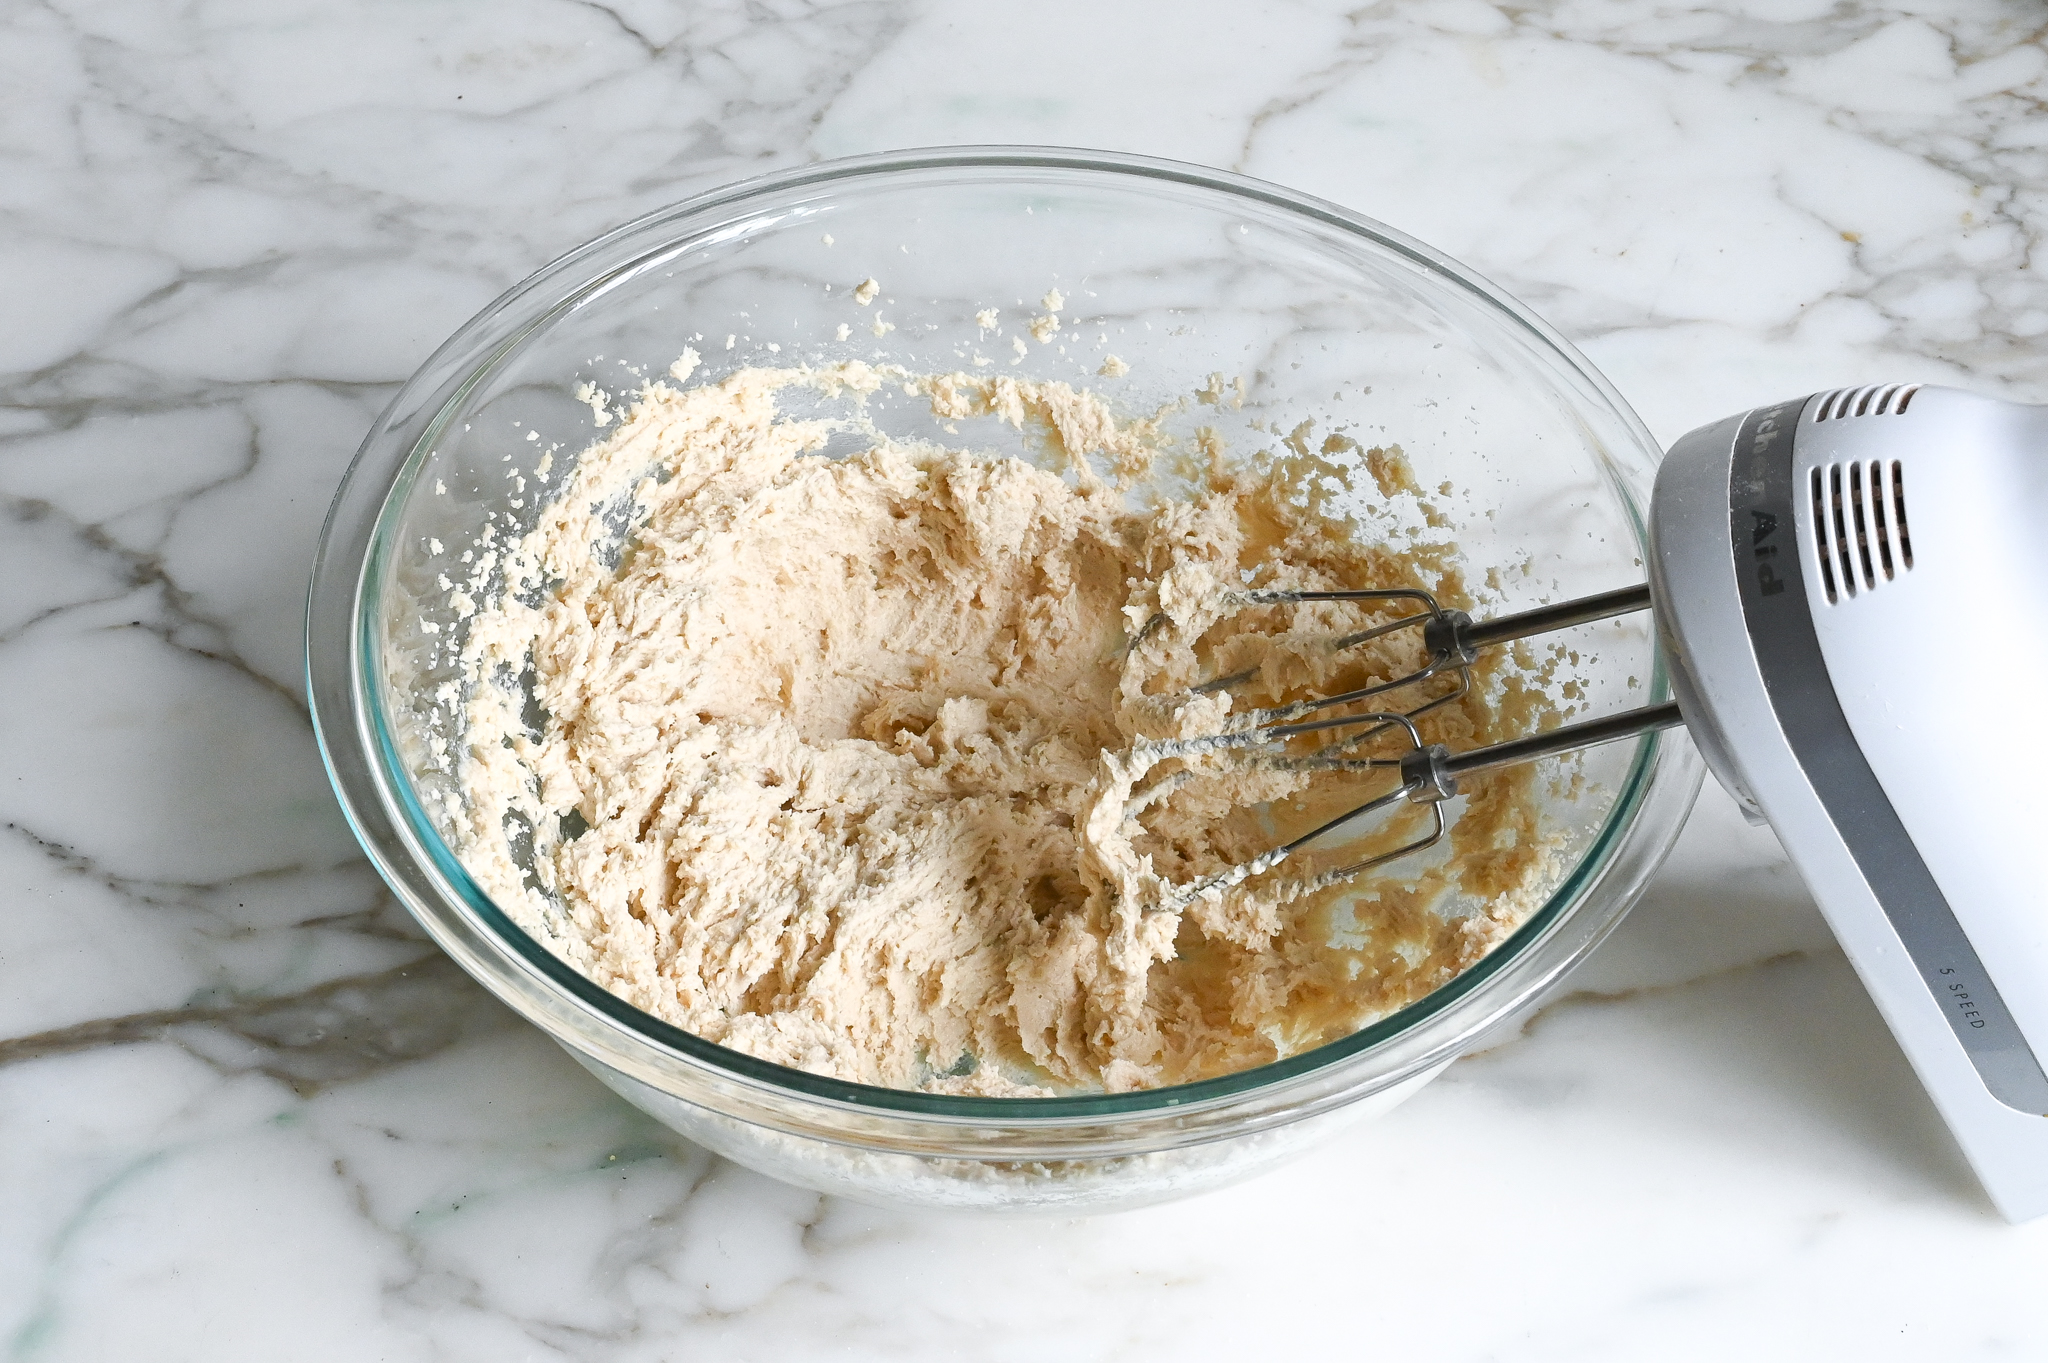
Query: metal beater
[1451, 641]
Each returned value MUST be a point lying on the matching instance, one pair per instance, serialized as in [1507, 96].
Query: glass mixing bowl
[1182, 273]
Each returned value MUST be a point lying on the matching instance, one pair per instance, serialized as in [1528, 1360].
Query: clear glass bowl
[1181, 272]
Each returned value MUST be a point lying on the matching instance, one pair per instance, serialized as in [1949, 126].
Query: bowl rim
[344, 683]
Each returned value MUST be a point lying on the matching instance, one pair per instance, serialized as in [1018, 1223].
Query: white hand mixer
[1819, 642]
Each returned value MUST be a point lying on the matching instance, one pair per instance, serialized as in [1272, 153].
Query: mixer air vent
[1859, 526]
[1880, 399]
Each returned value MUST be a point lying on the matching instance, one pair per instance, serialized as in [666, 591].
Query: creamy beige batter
[833, 763]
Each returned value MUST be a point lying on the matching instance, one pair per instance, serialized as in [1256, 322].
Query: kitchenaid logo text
[1763, 524]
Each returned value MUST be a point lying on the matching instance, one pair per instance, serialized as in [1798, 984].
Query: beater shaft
[1582, 610]
[1566, 738]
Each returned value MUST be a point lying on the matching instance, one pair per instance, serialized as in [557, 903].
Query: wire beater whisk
[1429, 773]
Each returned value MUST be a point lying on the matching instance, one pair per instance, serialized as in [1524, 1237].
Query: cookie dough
[832, 760]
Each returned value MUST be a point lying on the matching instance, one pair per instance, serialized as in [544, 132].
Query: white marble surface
[246, 1114]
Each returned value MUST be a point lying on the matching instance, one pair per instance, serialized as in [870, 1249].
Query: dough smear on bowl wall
[825, 757]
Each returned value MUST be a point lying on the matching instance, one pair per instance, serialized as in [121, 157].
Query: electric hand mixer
[1822, 627]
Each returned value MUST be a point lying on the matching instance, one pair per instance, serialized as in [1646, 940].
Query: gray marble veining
[246, 1112]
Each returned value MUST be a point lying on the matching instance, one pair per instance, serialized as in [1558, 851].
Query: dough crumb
[865, 291]
[1047, 325]
[1113, 367]
[597, 400]
[1391, 472]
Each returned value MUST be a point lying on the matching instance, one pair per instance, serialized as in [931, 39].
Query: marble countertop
[247, 1113]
